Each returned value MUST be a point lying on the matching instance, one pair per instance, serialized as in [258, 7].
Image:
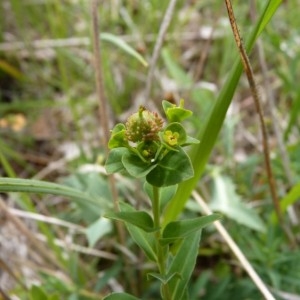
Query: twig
[157, 48]
[236, 250]
[254, 91]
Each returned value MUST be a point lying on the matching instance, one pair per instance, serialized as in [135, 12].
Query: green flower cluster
[144, 147]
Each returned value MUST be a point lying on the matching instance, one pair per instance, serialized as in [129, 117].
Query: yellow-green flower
[171, 138]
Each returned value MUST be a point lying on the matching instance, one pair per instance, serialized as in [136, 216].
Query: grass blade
[208, 136]
[124, 46]
[42, 187]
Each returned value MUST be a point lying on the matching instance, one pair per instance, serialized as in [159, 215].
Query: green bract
[176, 113]
[145, 148]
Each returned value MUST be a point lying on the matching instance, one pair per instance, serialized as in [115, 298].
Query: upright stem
[161, 258]
[250, 76]
[155, 208]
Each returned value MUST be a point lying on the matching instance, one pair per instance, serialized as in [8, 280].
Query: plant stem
[161, 259]
[155, 207]
[250, 76]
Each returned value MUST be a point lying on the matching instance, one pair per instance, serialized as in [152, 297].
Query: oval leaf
[113, 163]
[135, 166]
[175, 167]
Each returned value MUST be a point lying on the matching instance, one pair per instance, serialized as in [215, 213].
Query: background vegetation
[50, 131]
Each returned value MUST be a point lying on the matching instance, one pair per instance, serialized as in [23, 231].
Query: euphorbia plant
[147, 148]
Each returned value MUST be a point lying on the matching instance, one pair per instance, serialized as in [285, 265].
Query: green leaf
[118, 138]
[114, 163]
[213, 123]
[176, 72]
[181, 229]
[43, 187]
[183, 264]
[268, 14]
[289, 199]
[123, 45]
[172, 169]
[176, 113]
[227, 201]
[54, 297]
[37, 293]
[137, 218]
[166, 194]
[120, 296]
[97, 230]
[118, 128]
[135, 166]
[143, 239]
[190, 141]
[164, 279]
[95, 186]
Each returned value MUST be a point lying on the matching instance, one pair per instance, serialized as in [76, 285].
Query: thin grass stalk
[158, 45]
[105, 122]
[200, 153]
[255, 94]
[250, 76]
[236, 250]
[103, 104]
[285, 161]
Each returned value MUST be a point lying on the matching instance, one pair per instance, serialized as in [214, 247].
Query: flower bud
[143, 126]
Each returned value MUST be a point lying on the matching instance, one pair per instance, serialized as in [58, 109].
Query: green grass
[62, 79]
